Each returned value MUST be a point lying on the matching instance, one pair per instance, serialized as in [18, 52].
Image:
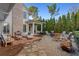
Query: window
[24, 15]
[6, 29]
[24, 28]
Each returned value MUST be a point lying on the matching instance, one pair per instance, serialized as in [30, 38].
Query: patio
[46, 47]
[16, 46]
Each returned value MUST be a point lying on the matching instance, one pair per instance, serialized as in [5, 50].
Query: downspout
[12, 19]
[12, 22]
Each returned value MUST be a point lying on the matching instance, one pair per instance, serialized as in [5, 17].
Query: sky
[43, 10]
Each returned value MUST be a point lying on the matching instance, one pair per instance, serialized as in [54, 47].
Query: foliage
[68, 22]
[33, 11]
[53, 9]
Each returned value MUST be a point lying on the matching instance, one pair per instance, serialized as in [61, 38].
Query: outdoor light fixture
[5, 24]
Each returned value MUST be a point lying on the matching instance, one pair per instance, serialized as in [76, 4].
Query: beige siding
[1, 26]
[9, 21]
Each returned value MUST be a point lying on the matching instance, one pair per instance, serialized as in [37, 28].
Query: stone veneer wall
[17, 17]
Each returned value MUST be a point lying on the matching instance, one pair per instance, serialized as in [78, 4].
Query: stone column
[36, 29]
[33, 28]
[27, 28]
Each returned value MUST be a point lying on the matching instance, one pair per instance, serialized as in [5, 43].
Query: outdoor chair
[63, 35]
[26, 36]
[5, 40]
[8, 40]
[47, 33]
[66, 45]
[30, 37]
[52, 33]
[2, 41]
[17, 35]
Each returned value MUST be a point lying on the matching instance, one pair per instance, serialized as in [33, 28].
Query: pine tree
[68, 23]
[77, 20]
[60, 23]
[64, 23]
[73, 21]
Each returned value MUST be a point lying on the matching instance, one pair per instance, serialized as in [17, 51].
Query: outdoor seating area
[29, 40]
[67, 41]
[24, 30]
[17, 40]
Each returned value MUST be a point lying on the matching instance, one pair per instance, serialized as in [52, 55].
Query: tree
[77, 20]
[33, 11]
[44, 24]
[73, 20]
[59, 25]
[50, 24]
[68, 23]
[53, 10]
[63, 22]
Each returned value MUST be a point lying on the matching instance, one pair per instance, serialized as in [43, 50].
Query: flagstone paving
[46, 47]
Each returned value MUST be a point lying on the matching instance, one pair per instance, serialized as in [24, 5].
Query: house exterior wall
[1, 26]
[14, 19]
[9, 21]
[25, 19]
[17, 17]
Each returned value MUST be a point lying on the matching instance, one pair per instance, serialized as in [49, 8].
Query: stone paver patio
[46, 47]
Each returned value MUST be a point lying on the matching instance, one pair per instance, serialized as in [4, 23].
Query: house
[16, 19]
[31, 25]
[5, 9]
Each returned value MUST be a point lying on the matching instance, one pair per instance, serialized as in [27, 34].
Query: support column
[41, 27]
[36, 29]
[33, 28]
[27, 28]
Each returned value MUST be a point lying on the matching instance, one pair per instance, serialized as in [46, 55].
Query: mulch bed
[11, 50]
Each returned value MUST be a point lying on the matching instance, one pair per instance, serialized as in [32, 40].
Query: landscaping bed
[11, 50]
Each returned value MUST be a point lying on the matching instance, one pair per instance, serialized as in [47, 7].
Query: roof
[34, 21]
[5, 9]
